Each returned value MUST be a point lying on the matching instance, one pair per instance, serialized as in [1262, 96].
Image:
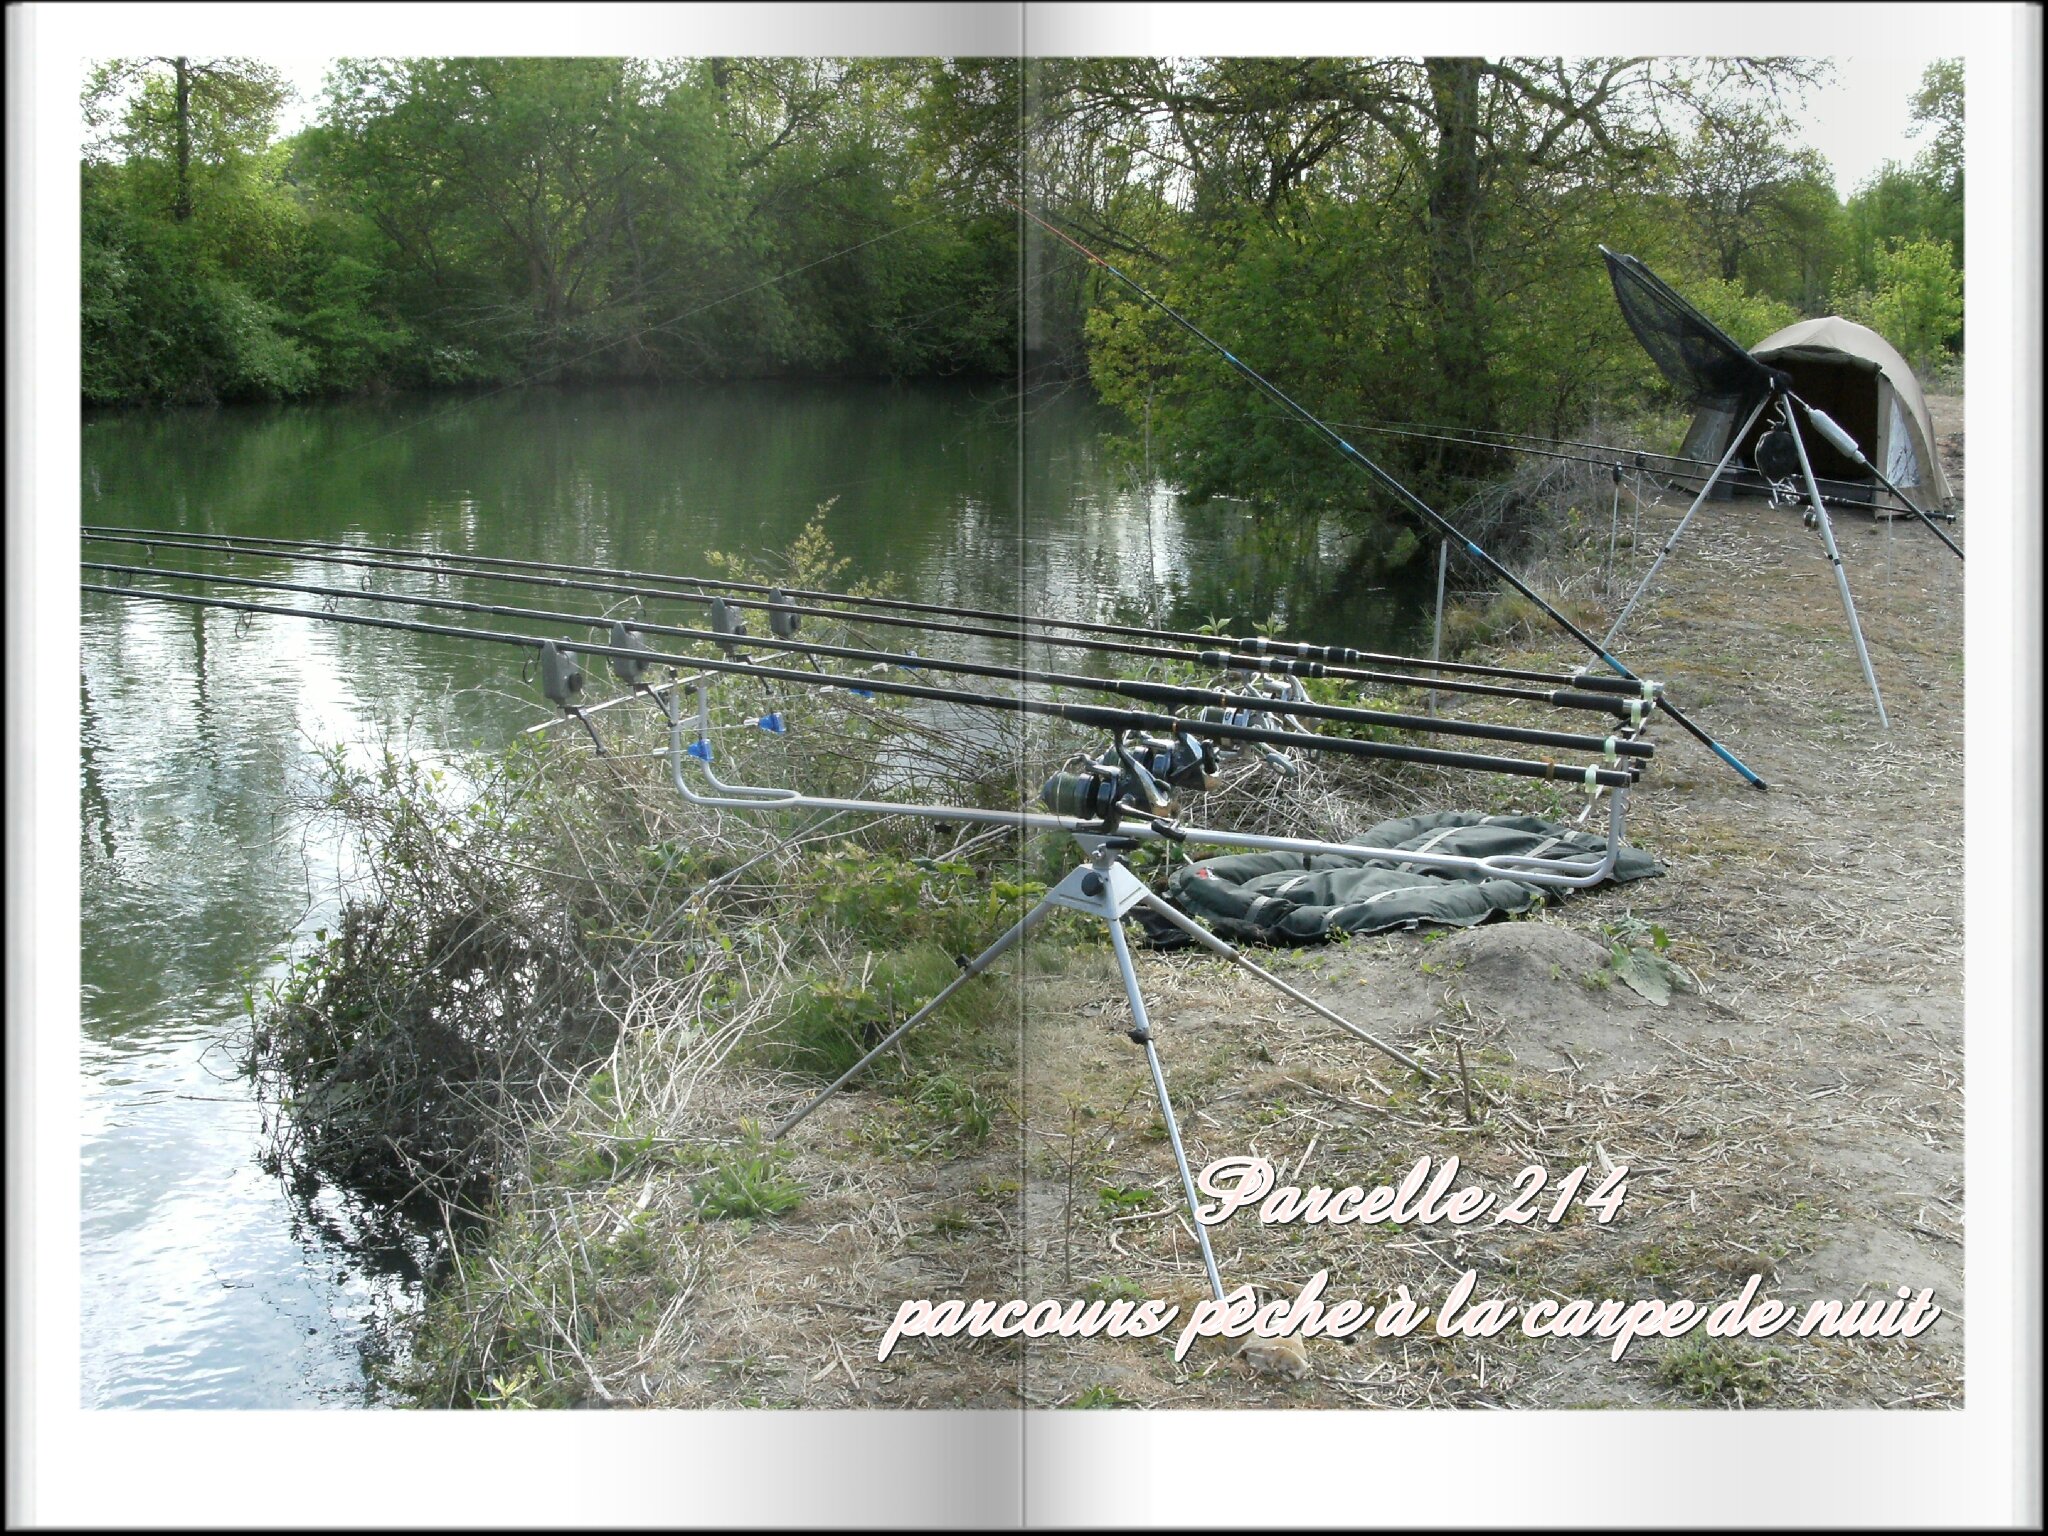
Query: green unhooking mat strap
[1294, 898]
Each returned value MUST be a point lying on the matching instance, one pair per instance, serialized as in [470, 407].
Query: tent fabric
[1295, 899]
[1859, 379]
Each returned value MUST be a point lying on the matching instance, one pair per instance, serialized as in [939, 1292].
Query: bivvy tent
[1860, 380]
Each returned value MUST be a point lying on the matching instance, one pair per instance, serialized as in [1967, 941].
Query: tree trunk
[1464, 384]
[181, 206]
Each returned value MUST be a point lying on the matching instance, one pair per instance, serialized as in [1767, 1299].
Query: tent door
[1901, 462]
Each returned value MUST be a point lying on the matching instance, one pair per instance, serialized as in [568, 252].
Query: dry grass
[1798, 1115]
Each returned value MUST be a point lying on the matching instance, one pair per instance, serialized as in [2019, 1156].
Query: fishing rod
[1155, 693]
[1526, 437]
[1597, 694]
[1093, 715]
[1844, 444]
[1256, 645]
[1394, 487]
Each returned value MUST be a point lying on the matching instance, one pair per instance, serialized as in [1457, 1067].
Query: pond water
[211, 1280]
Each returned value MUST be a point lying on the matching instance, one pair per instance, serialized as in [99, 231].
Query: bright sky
[1859, 122]
[1864, 118]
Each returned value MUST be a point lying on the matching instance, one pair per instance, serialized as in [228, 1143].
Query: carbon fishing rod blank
[1091, 715]
[907, 614]
[1462, 683]
[1289, 700]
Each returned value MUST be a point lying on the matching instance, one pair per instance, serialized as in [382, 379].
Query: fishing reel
[1267, 753]
[1087, 791]
[1143, 776]
[1776, 455]
[1180, 762]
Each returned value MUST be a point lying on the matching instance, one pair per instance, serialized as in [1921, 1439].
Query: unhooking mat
[1295, 898]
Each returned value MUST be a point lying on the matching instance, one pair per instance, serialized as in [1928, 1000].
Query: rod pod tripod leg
[1141, 1035]
[1104, 888]
[1826, 526]
[1734, 446]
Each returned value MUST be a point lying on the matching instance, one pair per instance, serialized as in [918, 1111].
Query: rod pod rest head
[561, 679]
[627, 669]
[782, 619]
[1184, 762]
[726, 622]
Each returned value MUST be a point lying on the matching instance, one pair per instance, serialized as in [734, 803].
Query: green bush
[1918, 302]
[834, 1018]
[747, 1182]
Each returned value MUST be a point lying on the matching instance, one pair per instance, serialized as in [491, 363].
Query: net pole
[1834, 554]
[1436, 642]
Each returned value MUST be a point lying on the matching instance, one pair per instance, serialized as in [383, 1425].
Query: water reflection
[211, 1280]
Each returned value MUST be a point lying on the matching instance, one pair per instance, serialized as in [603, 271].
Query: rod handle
[1237, 661]
[1631, 710]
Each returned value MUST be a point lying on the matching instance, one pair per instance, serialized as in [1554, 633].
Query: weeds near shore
[638, 1243]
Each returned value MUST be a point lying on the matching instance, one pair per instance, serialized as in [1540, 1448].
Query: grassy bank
[1791, 1109]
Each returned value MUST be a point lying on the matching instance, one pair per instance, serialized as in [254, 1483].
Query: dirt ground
[1797, 1114]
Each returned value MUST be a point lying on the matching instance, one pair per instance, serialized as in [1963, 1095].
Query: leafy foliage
[1918, 299]
[1395, 239]
[747, 1181]
[478, 221]
[1414, 240]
